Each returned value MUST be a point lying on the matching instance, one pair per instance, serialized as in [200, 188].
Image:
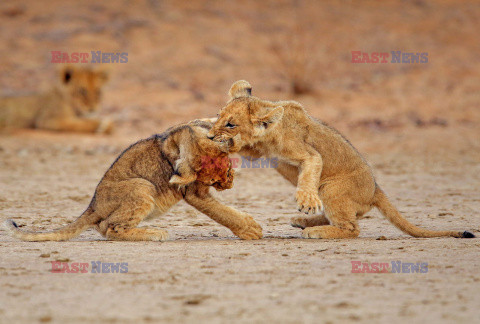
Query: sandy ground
[205, 274]
[417, 124]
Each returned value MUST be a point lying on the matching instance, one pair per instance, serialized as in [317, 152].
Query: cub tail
[82, 223]
[393, 215]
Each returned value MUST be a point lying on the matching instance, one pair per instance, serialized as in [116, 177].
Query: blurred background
[184, 55]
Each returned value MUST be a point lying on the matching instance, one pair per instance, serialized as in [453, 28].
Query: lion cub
[66, 107]
[317, 159]
[143, 182]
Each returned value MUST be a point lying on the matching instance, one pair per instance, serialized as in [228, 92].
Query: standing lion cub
[67, 107]
[150, 177]
[330, 174]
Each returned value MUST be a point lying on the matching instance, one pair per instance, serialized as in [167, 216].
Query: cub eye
[229, 125]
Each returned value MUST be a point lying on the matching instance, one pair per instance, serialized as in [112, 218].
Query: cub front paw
[158, 235]
[251, 230]
[308, 202]
[312, 232]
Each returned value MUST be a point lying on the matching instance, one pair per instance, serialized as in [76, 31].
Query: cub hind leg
[345, 200]
[343, 220]
[340, 209]
[129, 232]
[136, 199]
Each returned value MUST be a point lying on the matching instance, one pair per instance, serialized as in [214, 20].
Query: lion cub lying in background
[144, 182]
[66, 107]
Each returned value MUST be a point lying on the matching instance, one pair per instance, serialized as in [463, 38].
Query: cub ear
[239, 89]
[271, 118]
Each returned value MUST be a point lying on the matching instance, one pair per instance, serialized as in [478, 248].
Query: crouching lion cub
[317, 159]
[67, 107]
[144, 181]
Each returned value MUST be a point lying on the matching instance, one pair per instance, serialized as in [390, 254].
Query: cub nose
[210, 136]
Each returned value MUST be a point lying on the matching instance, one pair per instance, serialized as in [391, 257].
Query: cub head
[245, 119]
[197, 154]
[82, 87]
[204, 145]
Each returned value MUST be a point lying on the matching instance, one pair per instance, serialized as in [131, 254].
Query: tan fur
[68, 106]
[327, 170]
[146, 180]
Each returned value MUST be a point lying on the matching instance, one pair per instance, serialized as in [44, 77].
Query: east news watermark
[89, 57]
[92, 267]
[243, 162]
[396, 57]
[389, 267]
